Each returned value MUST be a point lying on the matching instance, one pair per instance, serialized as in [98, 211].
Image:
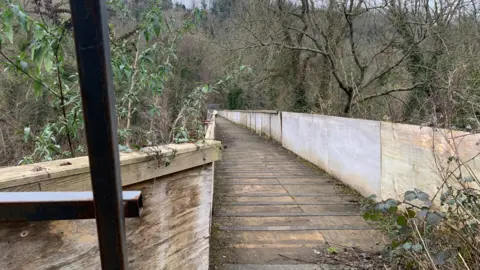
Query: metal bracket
[41, 206]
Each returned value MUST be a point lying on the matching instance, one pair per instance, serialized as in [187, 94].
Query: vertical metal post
[89, 19]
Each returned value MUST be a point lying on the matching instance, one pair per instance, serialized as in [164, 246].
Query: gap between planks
[277, 214]
[297, 228]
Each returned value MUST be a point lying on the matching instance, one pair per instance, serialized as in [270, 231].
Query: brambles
[424, 236]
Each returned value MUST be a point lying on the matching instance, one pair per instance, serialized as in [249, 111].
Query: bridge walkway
[272, 210]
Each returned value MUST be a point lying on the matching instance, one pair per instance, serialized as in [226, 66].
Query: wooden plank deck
[271, 209]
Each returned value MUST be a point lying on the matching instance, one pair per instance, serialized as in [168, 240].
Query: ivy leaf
[411, 213]
[393, 209]
[423, 196]
[383, 207]
[407, 246]
[410, 196]
[395, 244]
[428, 204]
[417, 247]
[441, 257]
[371, 216]
[433, 218]
[423, 213]
[392, 203]
[444, 196]
[402, 221]
[124, 148]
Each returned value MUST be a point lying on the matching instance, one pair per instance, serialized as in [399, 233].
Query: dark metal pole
[89, 19]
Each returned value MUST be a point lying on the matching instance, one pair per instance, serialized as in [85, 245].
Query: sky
[191, 3]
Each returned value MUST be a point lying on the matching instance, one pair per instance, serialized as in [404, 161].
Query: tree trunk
[129, 107]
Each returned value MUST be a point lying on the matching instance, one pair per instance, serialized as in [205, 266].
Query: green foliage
[46, 147]
[143, 65]
[124, 148]
[148, 70]
[230, 84]
[421, 223]
[43, 63]
[189, 126]
[235, 99]
[332, 250]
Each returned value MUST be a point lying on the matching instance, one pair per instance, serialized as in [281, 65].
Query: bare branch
[386, 93]
[387, 70]
[353, 50]
[314, 39]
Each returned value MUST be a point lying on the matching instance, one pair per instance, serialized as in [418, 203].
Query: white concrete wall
[348, 149]
[258, 123]
[372, 157]
[243, 118]
[276, 126]
[417, 157]
[353, 149]
[252, 121]
[236, 117]
[266, 124]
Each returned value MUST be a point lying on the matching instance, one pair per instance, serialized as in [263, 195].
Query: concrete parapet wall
[372, 157]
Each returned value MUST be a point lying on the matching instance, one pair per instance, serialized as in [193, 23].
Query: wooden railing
[73, 174]
[172, 232]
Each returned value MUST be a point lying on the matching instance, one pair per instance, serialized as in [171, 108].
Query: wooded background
[408, 61]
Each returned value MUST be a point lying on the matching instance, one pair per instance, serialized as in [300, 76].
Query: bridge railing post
[89, 19]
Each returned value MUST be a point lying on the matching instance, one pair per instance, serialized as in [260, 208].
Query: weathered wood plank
[260, 217]
[29, 187]
[292, 221]
[73, 174]
[278, 228]
[173, 232]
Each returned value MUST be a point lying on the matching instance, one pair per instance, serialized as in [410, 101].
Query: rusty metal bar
[89, 20]
[41, 206]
